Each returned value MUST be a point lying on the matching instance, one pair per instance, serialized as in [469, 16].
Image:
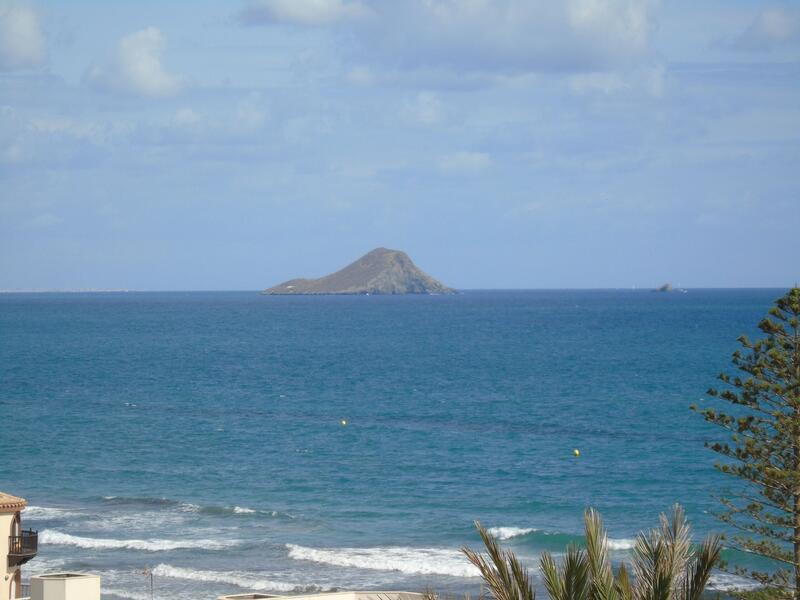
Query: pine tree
[762, 446]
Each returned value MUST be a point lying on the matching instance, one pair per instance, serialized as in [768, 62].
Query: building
[22, 546]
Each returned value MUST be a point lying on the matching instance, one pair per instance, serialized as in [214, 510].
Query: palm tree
[665, 566]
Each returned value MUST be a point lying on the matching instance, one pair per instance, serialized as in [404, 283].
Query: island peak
[380, 271]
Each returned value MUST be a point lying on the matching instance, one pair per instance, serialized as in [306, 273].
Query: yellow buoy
[343, 422]
[576, 452]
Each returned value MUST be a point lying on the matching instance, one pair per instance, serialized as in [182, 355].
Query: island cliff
[381, 271]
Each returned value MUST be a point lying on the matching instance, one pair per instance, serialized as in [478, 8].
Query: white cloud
[12, 154]
[649, 80]
[94, 132]
[187, 118]
[136, 67]
[250, 112]
[244, 121]
[22, 44]
[44, 221]
[604, 82]
[465, 162]
[771, 27]
[613, 26]
[302, 12]
[360, 76]
[496, 36]
[55, 139]
[425, 108]
[508, 36]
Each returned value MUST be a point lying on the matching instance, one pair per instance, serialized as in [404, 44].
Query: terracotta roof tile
[11, 503]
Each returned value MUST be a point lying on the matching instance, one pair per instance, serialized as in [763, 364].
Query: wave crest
[730, 582]
[621, 544]
[52, 536]
[237, 578]
[47, 513]
[506, 533]
[139, 501]
[152, 504]
[411, 561]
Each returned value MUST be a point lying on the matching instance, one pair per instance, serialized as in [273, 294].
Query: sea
[226, 442]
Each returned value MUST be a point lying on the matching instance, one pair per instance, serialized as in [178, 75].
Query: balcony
[23, 547]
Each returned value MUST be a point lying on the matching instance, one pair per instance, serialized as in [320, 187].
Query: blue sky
[506, 143]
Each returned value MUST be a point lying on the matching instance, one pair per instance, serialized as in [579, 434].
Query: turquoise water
[200, 434]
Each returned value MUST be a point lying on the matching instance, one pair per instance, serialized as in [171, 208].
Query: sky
[157, 145]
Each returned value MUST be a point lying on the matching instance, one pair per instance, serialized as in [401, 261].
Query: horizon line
[457, 290]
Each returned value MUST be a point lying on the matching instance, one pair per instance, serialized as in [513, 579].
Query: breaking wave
[45, 565]
[411, 561]
[189, 507]
[47, 513]
[237, 578]
[52, 536]
[139, 501]
[729, 582]
[506, 533]
[107, 591]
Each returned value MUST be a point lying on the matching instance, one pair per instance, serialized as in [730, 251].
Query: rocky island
[381, 271]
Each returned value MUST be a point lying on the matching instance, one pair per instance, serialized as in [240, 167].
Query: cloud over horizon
[22, 43]
[136, 67]
[511, 36]
[302, 12]
[771, 27]
[508, 142]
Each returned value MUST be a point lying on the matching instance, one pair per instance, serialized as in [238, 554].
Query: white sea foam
[44, 565]
[107, 591]
[411, 561]
[241, 510]
[188, 507]
[52, 536]
[621, 544]
[506, 533]
[146, 521]
[237, 578]
[47, 513]
[728, 582]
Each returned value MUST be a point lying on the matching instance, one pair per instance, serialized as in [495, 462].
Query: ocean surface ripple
[231, 442]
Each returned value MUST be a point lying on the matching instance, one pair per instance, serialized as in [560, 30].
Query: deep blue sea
[201, 435]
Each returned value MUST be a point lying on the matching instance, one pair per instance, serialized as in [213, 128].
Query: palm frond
[429, 594]
[649, 567]
[552, 577]
[602, 582]
[521, 577]
[576, 574]
[700, 567]
[677, 537]
[623, 583]
[502, 572]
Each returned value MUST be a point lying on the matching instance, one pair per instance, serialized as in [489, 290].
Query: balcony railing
[23, 547]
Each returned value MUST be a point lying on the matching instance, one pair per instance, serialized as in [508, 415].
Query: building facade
[17, 546]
